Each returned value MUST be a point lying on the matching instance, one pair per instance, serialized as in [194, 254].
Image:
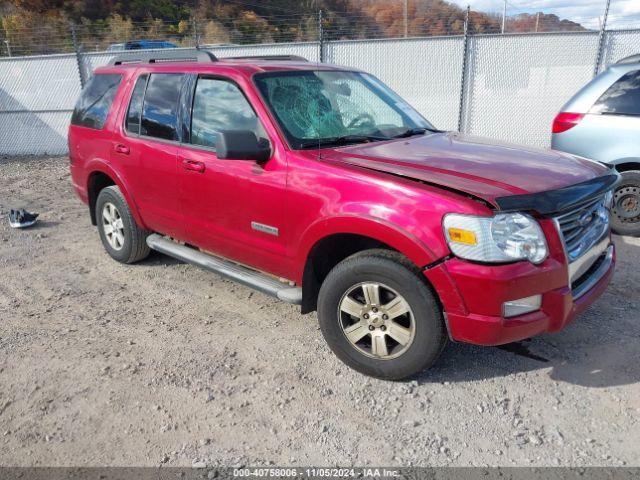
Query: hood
[473, 165]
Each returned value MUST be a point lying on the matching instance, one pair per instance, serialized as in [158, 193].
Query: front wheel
[379, 317]
[625, 217]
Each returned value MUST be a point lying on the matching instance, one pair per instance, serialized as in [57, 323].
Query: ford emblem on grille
[586, 218]
[584, 227]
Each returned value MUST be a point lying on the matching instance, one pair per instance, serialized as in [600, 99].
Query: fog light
[521, 306]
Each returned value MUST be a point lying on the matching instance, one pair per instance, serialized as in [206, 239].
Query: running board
[250, 278]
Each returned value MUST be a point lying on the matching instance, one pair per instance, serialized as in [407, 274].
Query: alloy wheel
[113, 226]
[376, 320]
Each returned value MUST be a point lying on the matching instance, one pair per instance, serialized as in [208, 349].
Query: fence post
[196, 40]
[76, 48]
[463, 81]
[405, 14]
[6, 39]
[320, 36]
[601, 39]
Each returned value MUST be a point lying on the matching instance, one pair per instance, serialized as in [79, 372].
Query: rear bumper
[472, 296]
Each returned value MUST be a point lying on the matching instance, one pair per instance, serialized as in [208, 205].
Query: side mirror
[241, 145]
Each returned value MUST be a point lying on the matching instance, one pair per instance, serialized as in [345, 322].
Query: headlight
[503, 238]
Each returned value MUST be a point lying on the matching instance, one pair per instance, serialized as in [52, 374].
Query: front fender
[96, 165]
[413, 241]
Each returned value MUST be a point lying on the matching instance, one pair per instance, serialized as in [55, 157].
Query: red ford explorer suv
[322, 187]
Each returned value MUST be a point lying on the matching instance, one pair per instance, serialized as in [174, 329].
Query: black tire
[625, 217]
[396, 272]
[134, 246]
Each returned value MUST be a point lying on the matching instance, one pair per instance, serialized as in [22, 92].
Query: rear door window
[622, 98]
[160, 108]
[135, 106]
[93, 106]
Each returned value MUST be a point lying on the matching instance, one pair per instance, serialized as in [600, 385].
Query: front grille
[582, 227]
[578, 284]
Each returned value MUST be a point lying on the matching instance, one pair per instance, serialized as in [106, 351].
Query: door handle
[123, 149]
[193, 165]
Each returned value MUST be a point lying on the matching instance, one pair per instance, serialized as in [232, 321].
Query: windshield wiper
[343, 140]
[416, 131]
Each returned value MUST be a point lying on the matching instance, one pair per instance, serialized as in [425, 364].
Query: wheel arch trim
[376, 229]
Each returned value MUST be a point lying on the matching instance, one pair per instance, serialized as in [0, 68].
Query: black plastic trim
[554, 201]
[437, 262]
[186, 106]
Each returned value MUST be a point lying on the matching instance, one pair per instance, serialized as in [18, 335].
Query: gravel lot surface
[161, 363]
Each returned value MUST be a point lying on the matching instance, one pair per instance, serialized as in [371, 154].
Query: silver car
[602, 122]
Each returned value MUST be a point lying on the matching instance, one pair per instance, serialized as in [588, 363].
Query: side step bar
[250, 278]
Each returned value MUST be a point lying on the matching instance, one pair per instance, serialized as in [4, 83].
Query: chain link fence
[516, 84]
[425, 72]
[506, 87]
[37, 95]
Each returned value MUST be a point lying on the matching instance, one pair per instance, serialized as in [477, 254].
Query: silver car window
[622, 98]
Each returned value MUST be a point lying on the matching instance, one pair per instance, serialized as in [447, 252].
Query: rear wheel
[625, 218]
[379, 317]
[121, 236]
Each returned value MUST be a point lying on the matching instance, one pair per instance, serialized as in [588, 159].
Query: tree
[215, 33]
[42, 26]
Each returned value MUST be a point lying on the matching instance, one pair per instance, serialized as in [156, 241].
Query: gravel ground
[103, 364]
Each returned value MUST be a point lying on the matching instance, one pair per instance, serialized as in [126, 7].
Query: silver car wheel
[376, 320]
[113, 226]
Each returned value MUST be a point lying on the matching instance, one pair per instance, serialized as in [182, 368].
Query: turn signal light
[459, 235]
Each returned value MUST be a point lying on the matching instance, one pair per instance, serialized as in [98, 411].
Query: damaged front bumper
[473, 295]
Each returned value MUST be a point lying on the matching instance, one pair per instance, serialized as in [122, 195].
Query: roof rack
[275, 58]
[168, 55]
[632, 59]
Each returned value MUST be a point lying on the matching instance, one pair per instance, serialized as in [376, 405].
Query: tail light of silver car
[565, 121]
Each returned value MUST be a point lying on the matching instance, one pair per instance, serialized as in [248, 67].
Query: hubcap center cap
[375, 318]
[629, 204]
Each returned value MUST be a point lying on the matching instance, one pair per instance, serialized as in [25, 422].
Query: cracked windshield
[327, 108]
